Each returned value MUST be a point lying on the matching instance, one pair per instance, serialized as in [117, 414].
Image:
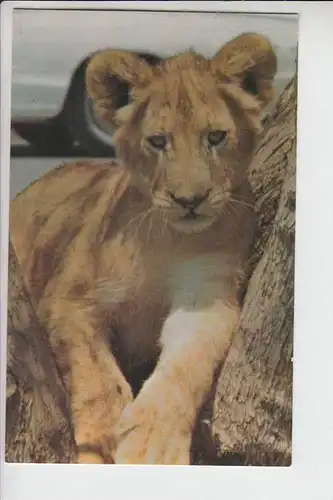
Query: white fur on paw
[149, 435]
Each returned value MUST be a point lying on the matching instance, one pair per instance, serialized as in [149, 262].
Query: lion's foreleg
[157, 427]
[98, 389]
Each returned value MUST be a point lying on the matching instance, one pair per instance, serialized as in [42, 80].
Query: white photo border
[309, 477]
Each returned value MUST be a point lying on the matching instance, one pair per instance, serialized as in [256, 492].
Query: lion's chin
[192, 225]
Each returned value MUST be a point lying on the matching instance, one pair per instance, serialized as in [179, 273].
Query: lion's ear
[251, 61]
[110, 75]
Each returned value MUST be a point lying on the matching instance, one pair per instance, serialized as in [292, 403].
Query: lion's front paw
[99, 452]
[152, 434]
[87, 457]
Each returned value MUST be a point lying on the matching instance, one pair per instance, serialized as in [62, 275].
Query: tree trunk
[248, 419]
[37, 419]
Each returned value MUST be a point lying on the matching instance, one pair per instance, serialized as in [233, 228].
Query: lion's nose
[190, 202]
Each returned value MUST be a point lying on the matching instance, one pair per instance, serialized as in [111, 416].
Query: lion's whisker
[231, 209]
[241, 202]
[143, 219]
[150, 226]
[132, 220]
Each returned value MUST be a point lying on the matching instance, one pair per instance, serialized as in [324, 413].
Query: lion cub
[140, 261]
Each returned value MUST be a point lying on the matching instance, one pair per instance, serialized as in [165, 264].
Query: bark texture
[248, 420]
[37, 420]
[250, 417]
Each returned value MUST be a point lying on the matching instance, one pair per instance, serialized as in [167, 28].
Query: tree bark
[248, 418]
[37, 419]
[248, 422]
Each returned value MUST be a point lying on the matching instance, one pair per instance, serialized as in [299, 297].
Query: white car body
[49, 45]
[50, 108]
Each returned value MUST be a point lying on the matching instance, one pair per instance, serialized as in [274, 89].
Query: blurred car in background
[51, 48]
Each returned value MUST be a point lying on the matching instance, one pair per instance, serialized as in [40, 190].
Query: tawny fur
[120, 277]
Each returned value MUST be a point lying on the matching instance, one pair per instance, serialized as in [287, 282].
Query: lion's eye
[216, 137]
[158, 141]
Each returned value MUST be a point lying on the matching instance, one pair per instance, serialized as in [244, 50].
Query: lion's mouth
[192, 222]
[191, 216]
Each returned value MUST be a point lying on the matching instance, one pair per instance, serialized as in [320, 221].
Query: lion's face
[192, 143]
[189, 132]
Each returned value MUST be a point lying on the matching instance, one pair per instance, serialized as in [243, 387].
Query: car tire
[84, 128]
[48, 137]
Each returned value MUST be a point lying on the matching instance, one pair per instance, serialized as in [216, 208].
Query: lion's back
[50, 212]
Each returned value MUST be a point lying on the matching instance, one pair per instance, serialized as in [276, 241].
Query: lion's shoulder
[68, 181]
[63, 201]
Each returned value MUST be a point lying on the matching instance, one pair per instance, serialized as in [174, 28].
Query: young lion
[140, 260]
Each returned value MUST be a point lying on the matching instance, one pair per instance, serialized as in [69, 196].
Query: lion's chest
[166, 283]
[139, 321]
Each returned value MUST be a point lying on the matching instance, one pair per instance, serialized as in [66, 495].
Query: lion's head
[191, 124]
